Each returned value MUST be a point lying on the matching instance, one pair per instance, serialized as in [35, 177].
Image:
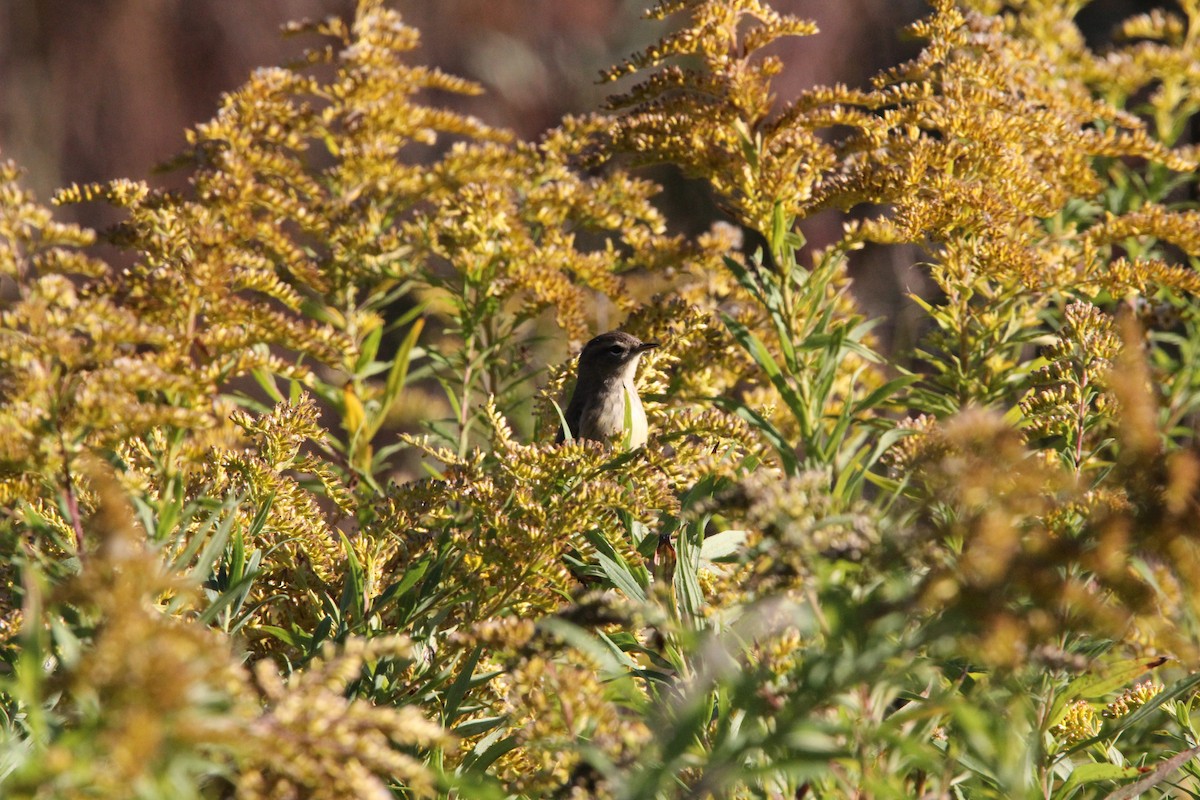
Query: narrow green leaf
[880, 394]
[745, 279]
[722, 545]
[354, 586]
[368, 350]
[458, 689]
[287, 637]
[494, 750]
[780, 224]
[783, 448]
[615, 567]
[397, 375]
[687, 568]
[762, 356]
[849, 483]
[231, 598]
[267, 382]
[478, 726]
[215, 545]
[412, 574]
[1094, 773]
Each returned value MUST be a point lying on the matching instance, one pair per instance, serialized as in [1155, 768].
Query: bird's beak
[644, 346]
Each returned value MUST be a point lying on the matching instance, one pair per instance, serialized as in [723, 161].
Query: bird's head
[611, 354]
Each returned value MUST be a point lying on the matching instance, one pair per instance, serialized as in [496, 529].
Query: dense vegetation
[966, 568]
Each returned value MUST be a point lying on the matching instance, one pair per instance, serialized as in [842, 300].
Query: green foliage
[282, 515]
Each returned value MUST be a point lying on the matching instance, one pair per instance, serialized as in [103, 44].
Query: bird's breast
[604, 418]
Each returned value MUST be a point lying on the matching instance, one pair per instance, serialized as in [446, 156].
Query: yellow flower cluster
[718, 122]
[557, 706]
[310, 740]
[152, 689]
[741, 579]
[1068, 398]
[517, 515]
[1080, 722]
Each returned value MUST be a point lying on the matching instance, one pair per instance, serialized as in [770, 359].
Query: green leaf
[850, 479]
[267, 382]
[290, 638]
[488, 750]
[214, 546]
[397, 376]
[780, 225]
[562, 422]
[231, 598]
[882, 393]
[722, 545]
[354, 587]
[762, 356]
[687, 568]
[746, 280]
[615, 568]
[412, 574]
[368, 350]
[477, 726]
[783, 448]
[458, 689]
[611, 659]
[170, 509]
[1094, 773]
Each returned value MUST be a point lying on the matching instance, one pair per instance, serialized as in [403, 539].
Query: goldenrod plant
[283, 513]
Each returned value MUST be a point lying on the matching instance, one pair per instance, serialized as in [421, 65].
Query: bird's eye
[617, 350]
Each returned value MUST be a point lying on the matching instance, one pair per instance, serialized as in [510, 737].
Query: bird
[604, 383]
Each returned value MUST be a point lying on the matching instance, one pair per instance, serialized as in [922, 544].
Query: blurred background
[96, 89]
[99, 89]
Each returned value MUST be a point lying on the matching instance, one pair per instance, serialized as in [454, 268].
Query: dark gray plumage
[604, 380]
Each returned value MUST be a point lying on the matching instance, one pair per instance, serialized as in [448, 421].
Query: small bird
[603, 385]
